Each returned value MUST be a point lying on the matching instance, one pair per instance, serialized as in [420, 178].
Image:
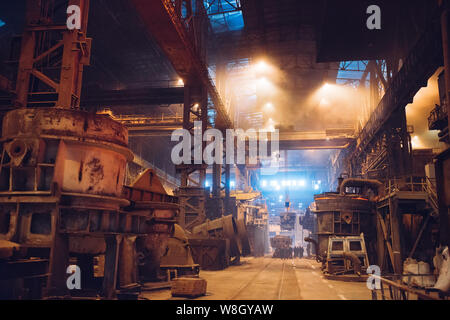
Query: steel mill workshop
[193, 150]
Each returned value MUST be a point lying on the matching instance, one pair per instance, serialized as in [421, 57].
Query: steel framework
[386, 132]
[44, 46]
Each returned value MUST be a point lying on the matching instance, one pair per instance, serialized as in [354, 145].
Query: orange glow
[324, 102]
[261, 66]
[416, 142]
[265, 85]
[268, 106]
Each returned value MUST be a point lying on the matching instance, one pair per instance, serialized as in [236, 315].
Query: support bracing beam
[422, 61]
[42, 40]
[180, 45]
[191, 192]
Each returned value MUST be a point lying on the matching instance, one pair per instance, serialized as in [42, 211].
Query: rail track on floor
[258, 278]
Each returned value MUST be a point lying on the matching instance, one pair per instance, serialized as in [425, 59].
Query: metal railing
[393, 287]
[438, 114]
[414, 184]
[156, 120]
[430, 188]
[408, 183]
[136, 120]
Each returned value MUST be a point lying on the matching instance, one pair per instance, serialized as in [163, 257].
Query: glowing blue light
[264, 183]
[2, 23]
[316, 187]
[223, 15]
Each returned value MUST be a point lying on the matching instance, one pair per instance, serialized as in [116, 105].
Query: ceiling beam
[145, 96]
[169, 31]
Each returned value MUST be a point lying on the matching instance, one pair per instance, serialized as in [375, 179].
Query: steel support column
[445, 25]
[399, 146]
[227, 186]
[191, 192]
[179, 37]
[216, 180]
[443, 161]
[42, 40]
[75, 55]
[111, 265]
[395, 227]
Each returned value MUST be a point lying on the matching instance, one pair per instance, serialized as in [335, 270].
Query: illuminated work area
[224, 150]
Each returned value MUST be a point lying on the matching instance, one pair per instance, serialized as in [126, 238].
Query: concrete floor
[266, 278]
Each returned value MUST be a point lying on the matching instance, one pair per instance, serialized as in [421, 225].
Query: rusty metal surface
[40, 40]
[209, 248]
[221, 228]
[281, 242]
[346, 255]
[61, 188]
[344, 215]
[128, 272]
[282, 246]
[8, 249]
[63, 123]
[80, 152]
[178, 256]
[243, 237]
[210, 253]
[148, 198]
[62, 174]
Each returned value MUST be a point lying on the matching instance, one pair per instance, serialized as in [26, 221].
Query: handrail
[414, 184]
[408, 183]
[430, 188]
[439, 113]
[398, 291]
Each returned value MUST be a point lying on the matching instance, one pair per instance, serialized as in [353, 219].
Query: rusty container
[343, 215]
[67, 157]
[61, 182]
[221, 228]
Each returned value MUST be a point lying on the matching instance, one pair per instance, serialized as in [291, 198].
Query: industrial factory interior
[193, 150]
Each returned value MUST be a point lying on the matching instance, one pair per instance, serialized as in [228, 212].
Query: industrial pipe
[355, 260]
[319, 258]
